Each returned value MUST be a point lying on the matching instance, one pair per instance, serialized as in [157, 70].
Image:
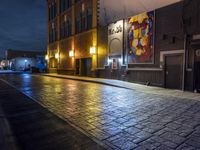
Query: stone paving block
[163, 147]
[170, 136]
[150, 144]
[173, 126]
[141, 136]
[186, 147]
[194, 141]
[164, 142]
[107, 112]
[132, 130]
[124, 144]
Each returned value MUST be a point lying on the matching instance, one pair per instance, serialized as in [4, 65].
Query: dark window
[55, 10]
[78, 25]
[69, 27]
[77, 1]
[89, 19]
[53, 33]
[66, 28]
[52, 11]
[49, 13]
[65, 4]
[83, 21]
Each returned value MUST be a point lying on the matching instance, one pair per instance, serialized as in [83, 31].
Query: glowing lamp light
[92, 50]
[46, 57]
[56, 55]
[71, 53]
[109, 60]
[120, 60]
[25, 60]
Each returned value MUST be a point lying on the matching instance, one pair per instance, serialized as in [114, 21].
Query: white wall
[114, 10]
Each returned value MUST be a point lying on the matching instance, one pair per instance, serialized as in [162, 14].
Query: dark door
[53, 62]
[197, 76]
[86, 65]
[197, 71]
[77, 66]
[173, 71]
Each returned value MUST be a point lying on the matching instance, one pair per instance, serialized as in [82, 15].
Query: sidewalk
[132, 86]
[9, 71]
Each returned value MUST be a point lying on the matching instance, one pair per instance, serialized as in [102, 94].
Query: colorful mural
[141, 38]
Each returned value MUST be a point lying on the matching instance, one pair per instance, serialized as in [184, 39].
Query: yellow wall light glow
[92, 50]
[71, 53]
[56, 55]
[46, 57]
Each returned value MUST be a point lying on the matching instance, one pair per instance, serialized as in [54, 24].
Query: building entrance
[53, 63]
[197, 71]
[77, 72]
[173, 71]
[86, 66]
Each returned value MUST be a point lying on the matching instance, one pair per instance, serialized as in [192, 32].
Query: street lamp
[25, 61]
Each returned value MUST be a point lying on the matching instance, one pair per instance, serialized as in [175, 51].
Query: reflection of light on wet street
[116, 116]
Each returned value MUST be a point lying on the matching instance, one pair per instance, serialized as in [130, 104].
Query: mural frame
[126, 42]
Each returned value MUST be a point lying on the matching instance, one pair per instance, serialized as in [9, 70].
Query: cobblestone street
[116, 117]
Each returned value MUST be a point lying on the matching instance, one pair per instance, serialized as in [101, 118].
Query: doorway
[86, 66]
[174, 71]
[77, 72]
[197, 71]
[53, 62]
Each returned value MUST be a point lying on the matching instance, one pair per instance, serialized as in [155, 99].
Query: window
[65, 4]
[53, 33]
[66, 27]
[52, 11]
[55, 10]
[49, 12]
[78, 25]
[77, 1]
[83, 21]
[89, 19]
[69, 27]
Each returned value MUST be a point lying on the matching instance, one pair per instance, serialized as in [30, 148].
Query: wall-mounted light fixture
[120, 60]
[46, 57]
[71, 53]
[56, 55]
[92, 50]
[109, 61]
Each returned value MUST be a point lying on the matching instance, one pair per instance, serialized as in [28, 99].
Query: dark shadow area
[35, 128]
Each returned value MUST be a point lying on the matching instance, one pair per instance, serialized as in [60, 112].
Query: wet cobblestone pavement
[117, 117]
[26, 125]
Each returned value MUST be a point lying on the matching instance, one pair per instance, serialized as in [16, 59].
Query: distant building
[25, 60]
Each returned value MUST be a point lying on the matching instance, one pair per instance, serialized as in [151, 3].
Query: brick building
[98, 38]
[72, 34]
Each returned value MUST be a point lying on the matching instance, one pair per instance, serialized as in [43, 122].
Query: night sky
[23, 25]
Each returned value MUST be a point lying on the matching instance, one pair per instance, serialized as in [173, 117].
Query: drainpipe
[184, 62]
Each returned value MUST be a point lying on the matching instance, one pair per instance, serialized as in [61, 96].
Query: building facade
[72, 36]
[157, 44]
